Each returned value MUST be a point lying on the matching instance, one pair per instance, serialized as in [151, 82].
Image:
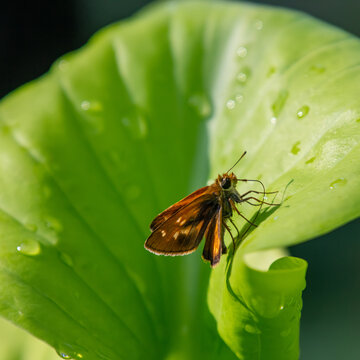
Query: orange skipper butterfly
[179, 229]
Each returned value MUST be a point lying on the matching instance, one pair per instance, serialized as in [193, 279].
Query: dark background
[34, 34]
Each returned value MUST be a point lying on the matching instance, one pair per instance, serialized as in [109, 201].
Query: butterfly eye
[225, 183]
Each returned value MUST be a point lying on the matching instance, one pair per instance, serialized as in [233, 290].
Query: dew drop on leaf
[241, 52]
[242, 77]
[137, 125]
[31, 227]
[273, 120]
[302, 112]
[295, 149]
[279, 103]
[239, 98]
[230, 104]
[201, 104]
[251, 329]
[29, 247]
[318, 68]
[66, 259]
[338, 182]
[63, 355]
[53, 224]
[311, 160]
[91, 106]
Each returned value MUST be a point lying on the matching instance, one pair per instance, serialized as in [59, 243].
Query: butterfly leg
[239, 213]
[237, 230]
[229, 231]
[223, 246]
[260, 201]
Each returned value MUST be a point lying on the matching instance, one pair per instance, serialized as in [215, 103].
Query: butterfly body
[179, 229]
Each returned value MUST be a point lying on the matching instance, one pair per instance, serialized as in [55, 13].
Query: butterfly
[179, 229]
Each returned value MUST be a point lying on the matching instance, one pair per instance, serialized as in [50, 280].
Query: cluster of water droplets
[64, 355]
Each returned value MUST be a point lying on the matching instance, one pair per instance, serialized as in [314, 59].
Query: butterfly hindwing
[182, 232]
[214, 240]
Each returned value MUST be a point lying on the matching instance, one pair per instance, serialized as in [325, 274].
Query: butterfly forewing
[166, 214]
[182, 231]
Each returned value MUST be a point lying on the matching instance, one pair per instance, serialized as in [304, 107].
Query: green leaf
[138, 118]
[17, 344]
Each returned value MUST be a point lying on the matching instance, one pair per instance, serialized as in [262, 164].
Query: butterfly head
[227, 181]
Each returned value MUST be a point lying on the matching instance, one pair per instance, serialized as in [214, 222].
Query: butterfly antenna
[244, 153]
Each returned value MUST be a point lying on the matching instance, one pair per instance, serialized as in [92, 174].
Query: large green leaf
[134, 121]
[16, 344]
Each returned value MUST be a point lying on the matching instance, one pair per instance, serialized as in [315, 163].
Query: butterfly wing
[166, 214]
[182, 231]
[214, 238]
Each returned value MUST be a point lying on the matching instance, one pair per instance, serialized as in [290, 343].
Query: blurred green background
[34, 34]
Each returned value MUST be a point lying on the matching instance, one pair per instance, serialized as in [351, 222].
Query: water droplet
[63, 355]
[31, 227]
[239, 98]
[66, 259]
[338, 182]
[79, 356]
[303, 111]
[279, 103]
[273, 120]
[276, 217]
[141, 126]
[251, 329]
[258, 25]
[230, 104]
[241, 52]
[94, 106]
[311, 160]
[53, 224]
[29, 247]
[265, 198]
[281, 307]
[295, 149]
[318, 68]
[241, 77]
[85, 105]
[136, 124]
[201, 104]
